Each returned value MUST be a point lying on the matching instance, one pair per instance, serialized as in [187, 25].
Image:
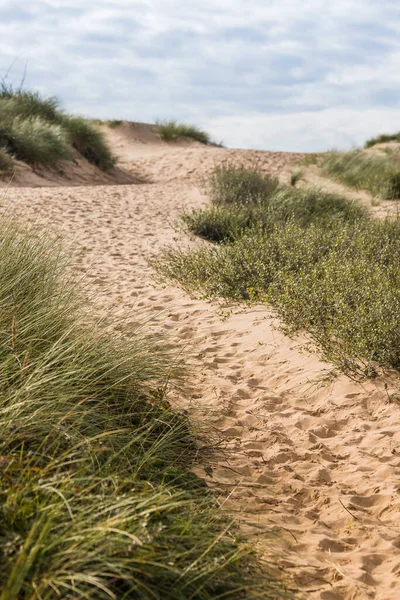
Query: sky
[290, 75]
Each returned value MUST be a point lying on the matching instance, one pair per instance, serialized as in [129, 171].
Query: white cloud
[232, 64]
[305, 131]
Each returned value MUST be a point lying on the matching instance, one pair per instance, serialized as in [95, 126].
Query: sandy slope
[303, 452]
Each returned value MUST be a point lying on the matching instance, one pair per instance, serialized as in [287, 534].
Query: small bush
[295, 177]
[219, 223]
[341, 283]
[380, 139]
[89, 141]
[172, 130]
[378, 174]
[248, 200]
[233, 184]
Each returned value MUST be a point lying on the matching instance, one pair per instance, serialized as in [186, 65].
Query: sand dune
[306, 458]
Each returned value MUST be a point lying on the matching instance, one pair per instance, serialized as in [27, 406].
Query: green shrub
[171, 130]
[89, 141]
[232, 184]
[380, 139]
[96, 495]
[252, 201]
[316, 257]
[373, 172]
[220, 223]
[340, 282]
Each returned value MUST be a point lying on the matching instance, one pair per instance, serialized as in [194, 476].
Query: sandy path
[306, 452]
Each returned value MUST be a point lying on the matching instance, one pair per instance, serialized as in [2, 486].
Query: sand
[306, 458]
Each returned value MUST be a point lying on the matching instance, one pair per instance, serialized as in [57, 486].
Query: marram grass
[37, 131]
[96, 495]
[377, 173]
[172, 130]
[383, 138]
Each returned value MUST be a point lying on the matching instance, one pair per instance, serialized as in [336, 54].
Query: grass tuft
[6, 162]
[381, 139]
[34, 141]
[26, 104]
[171, 130]
[89, 141]
[379, 174]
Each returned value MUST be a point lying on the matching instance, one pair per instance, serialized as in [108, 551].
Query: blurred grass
[97, 499]
[6, 162]
[377, 173]
[381, 139]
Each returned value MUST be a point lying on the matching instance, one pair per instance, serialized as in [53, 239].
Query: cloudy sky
[273, 74]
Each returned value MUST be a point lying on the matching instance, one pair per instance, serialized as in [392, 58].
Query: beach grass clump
[381, 139]
[26, 104]
[377, 173]
[317, 258]
[34, 140]
[97, 497]
[89, 141]
[170, 130]
[35, 130]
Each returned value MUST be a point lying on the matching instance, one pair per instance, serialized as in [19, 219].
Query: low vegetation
[6, 162]
[88, 140]
[172, 130]
[245, 200]
[377, 173]
[295, 177]
[381, 139]
[96, 495]
[113, 123]
[318, 258]
[35, 130]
